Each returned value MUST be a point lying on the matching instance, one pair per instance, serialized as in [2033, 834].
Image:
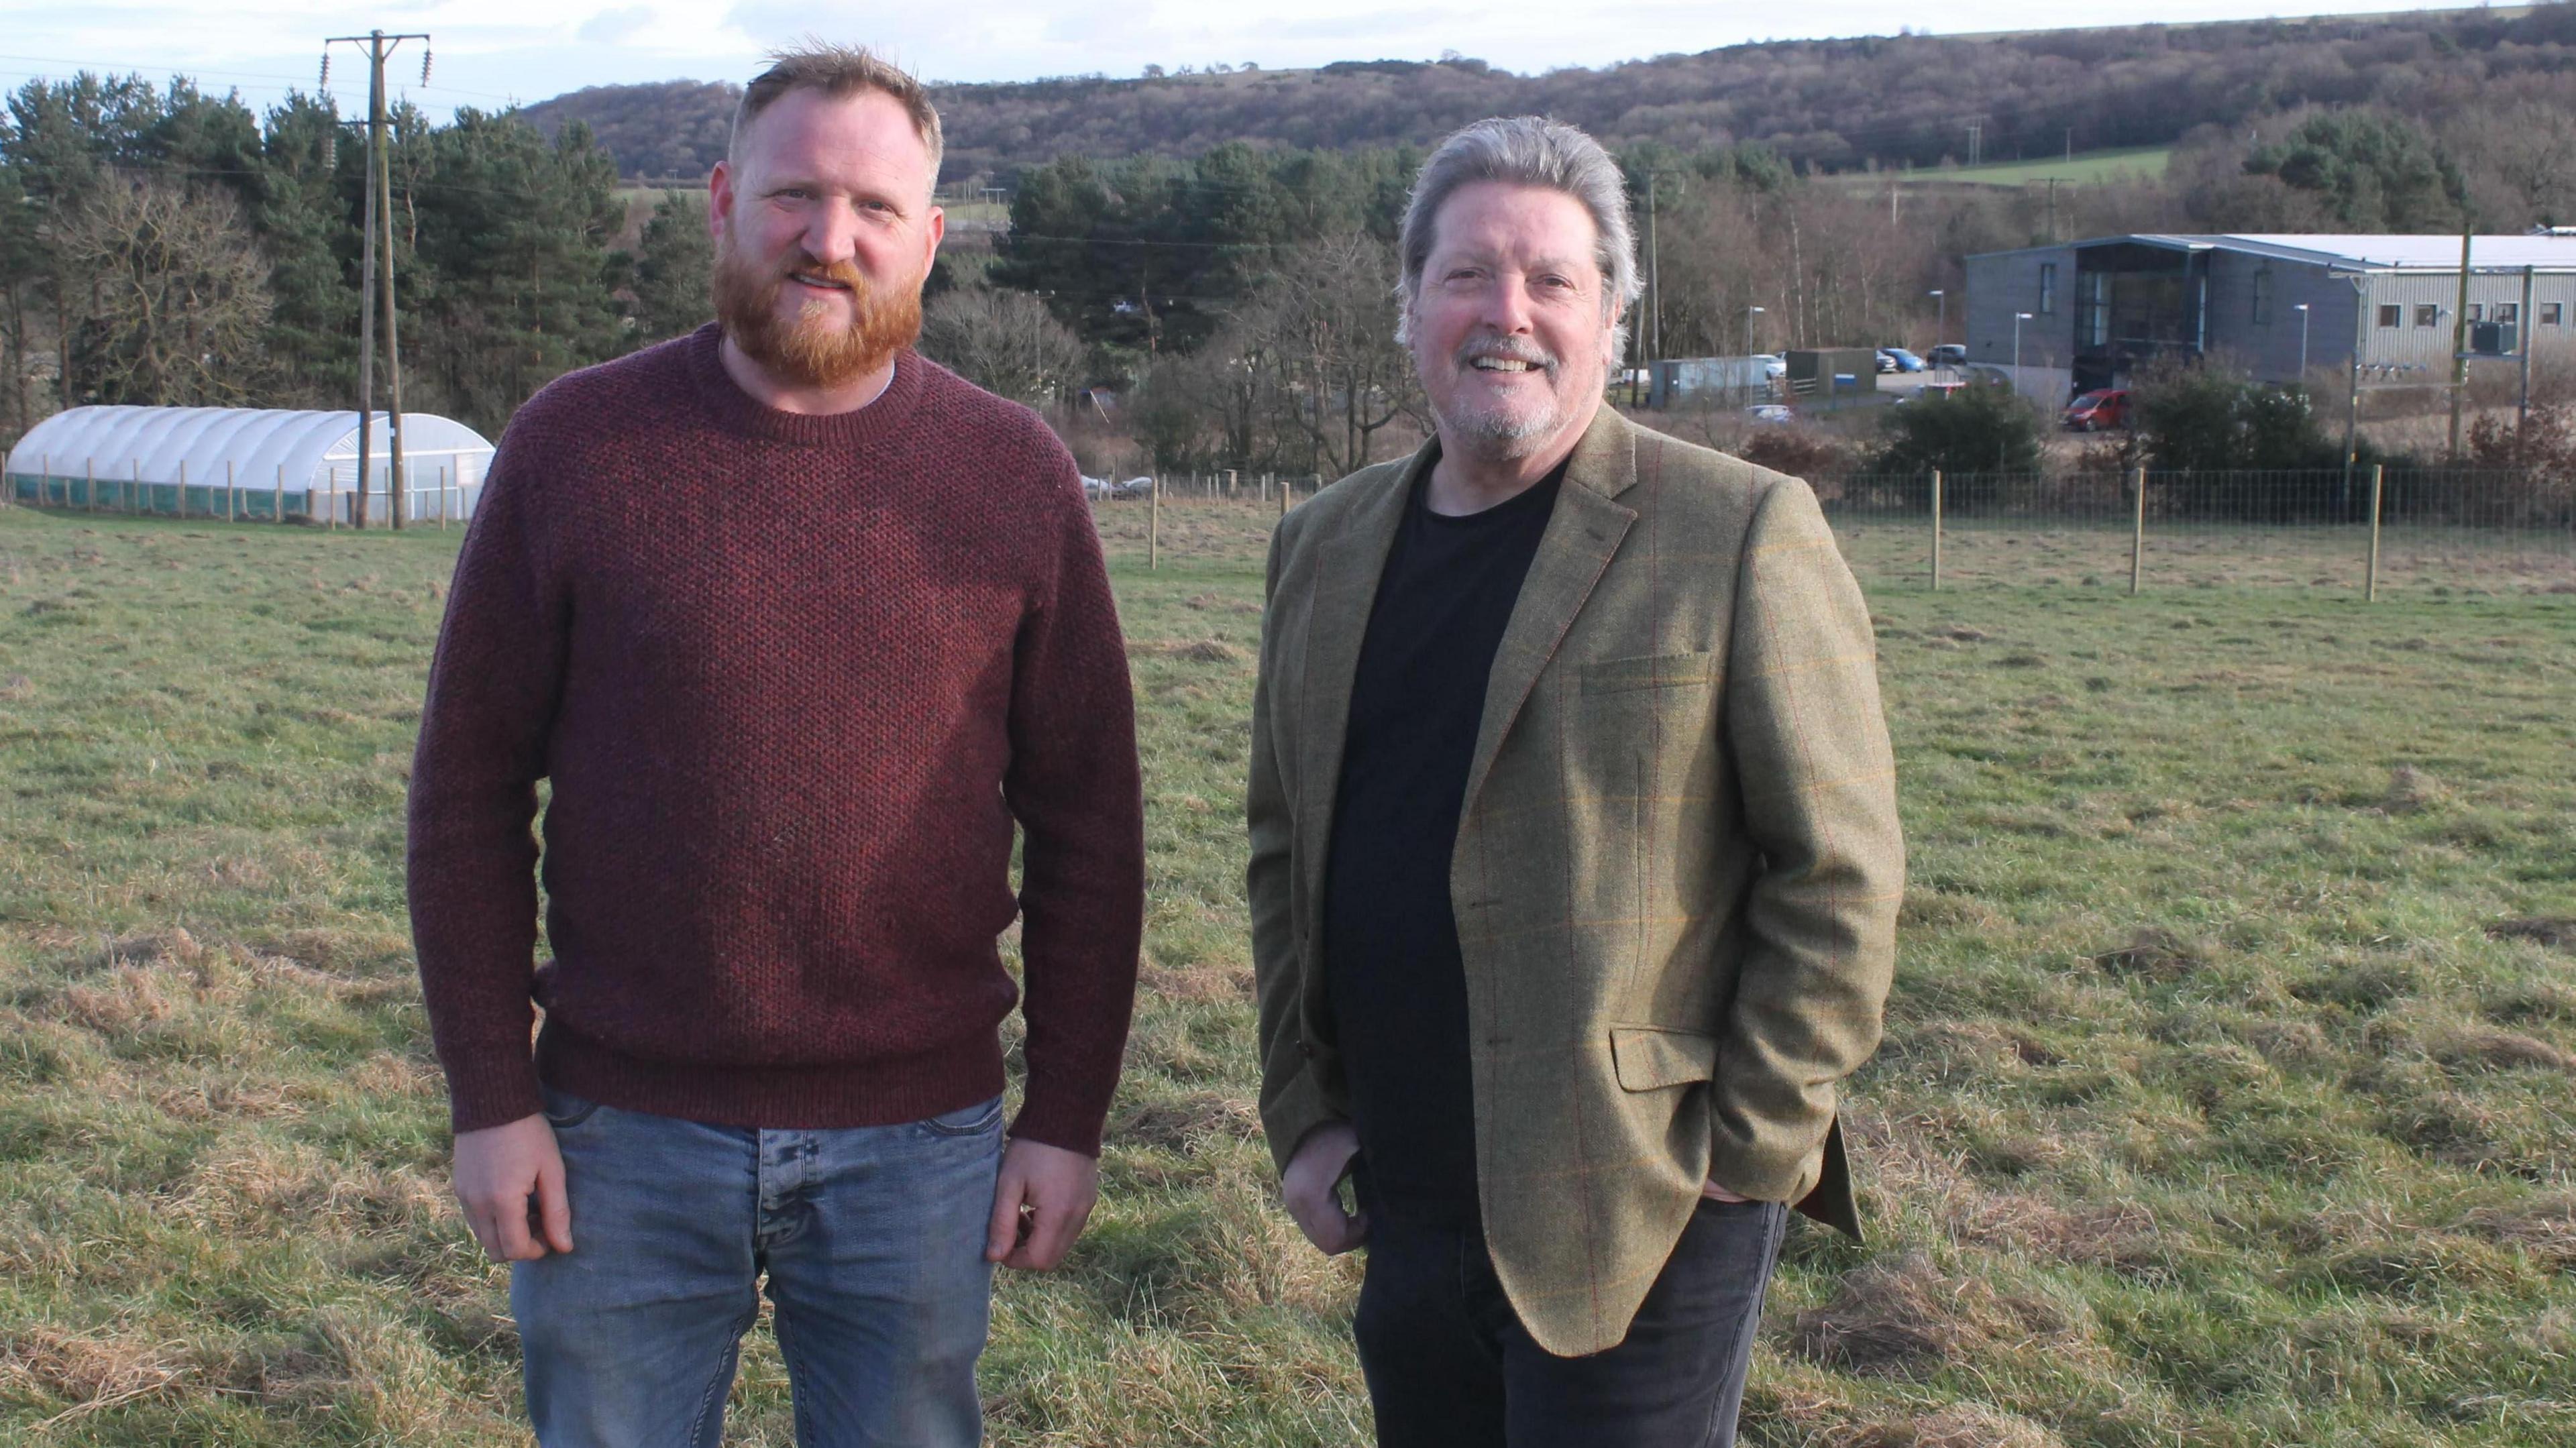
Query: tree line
[1229, 309]
[1886, 102]
[163, 245]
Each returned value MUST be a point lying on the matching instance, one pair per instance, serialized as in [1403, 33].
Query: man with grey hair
[1575, 857]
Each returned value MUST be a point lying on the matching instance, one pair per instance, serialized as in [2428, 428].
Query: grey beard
[1501, 436]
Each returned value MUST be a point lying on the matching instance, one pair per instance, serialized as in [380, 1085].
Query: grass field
[2083, 168]
[2226, 1097]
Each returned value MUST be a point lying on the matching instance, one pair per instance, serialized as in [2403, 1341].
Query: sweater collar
[738, 411]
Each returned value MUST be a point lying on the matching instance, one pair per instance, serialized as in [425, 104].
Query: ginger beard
[830, 341]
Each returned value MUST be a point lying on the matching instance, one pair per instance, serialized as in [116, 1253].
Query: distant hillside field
[1831, 105]
[2087, 166]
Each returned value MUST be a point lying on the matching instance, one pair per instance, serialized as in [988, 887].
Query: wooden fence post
[331, 517]
[1153, 522]
[277, 500]
[2138, 533]
[1936, 530]
[183, 488]
[2370, 580]
[232, 493]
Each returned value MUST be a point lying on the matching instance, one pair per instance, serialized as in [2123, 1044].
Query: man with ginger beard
[798, 627]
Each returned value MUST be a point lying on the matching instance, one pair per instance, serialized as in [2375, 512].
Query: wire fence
[2463, 530]
[2475, 530]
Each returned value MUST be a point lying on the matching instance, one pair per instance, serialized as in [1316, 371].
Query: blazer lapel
[1337, 623]
[1579, 542]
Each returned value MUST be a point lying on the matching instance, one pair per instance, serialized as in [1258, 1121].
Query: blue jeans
[872, 1239]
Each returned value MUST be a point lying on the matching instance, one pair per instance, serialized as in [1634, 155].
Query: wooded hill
[1833, 105]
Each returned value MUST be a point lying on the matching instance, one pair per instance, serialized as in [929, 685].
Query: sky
[490, 53]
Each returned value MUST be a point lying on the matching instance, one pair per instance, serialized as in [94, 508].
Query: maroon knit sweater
[792, 679]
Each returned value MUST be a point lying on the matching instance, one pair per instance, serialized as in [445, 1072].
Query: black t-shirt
[1391, 966]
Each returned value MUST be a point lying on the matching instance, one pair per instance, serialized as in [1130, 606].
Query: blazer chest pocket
[1650, 1058]
[1648, 671]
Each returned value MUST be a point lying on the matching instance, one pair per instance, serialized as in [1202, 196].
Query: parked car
[1103, 488]
[1770, 412]
[1950, 354]
[1774, 366]
[1886, 363]
[1905, 361]
[2103, 407]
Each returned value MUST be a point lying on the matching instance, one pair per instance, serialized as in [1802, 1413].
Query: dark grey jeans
[1450, 1366]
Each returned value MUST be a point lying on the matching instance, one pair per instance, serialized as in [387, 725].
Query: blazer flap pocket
[1646, 671]
[1649, 1058]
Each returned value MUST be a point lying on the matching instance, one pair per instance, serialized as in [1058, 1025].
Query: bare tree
[2521, 162]
[1210, 407]
[1005, 341]
[1323, 323]
[177, 300]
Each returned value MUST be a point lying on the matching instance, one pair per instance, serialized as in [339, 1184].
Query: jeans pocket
[966, 1120]
[564, 1111]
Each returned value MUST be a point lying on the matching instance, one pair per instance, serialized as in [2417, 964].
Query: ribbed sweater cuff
[490, 1088]
[1050, 1120]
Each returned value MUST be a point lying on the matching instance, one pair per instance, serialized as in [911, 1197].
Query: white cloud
[608, 27]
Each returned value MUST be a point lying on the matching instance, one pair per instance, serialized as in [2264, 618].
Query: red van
[2101, 408]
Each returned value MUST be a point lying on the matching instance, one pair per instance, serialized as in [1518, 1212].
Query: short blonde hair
[837, 71]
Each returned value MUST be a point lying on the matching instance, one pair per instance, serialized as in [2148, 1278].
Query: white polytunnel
[246, 463]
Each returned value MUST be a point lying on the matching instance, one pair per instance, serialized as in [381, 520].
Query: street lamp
[1941, 326]
[2302, 310]
[2018, 319]
[1749, 314]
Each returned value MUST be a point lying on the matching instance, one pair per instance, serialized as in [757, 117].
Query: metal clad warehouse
[2090, 314]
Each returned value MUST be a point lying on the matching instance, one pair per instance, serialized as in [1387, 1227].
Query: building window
[2550, 313]
[2508, 311]
[2048, 289]
[2390, 315]
[2093, 309]
[2263, 298]
[2427, 314]
[2477, 311]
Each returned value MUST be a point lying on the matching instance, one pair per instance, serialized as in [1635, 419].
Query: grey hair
[1524, 151]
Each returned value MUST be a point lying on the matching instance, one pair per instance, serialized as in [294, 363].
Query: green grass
[2083, 168]
[2221, 1104]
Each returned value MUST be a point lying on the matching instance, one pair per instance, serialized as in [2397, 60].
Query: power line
[292, 82]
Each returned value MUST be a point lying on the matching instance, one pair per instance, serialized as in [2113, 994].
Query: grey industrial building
[2100, 310]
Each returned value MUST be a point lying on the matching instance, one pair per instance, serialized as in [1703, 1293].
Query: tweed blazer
[1677, 866]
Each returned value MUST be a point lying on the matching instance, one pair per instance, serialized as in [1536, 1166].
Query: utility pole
[2070, 145]
[380, 207]
[2361, 295]
[1654, 282]
[2052, 211]
[2522, 344]
[2460, 346]
[1976, 138]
